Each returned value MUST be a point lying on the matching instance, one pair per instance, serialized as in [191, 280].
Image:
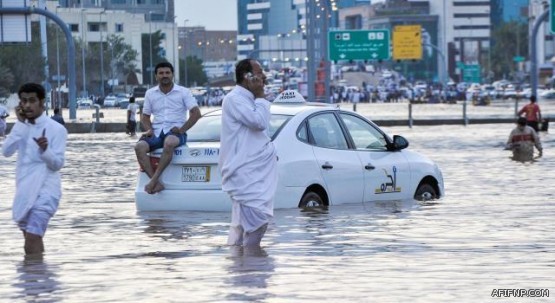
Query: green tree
[195, 72]
[24, 60]
[509, 40]
[6, 81]
[158, 54]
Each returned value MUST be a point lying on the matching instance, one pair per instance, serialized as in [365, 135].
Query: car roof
[292, 109]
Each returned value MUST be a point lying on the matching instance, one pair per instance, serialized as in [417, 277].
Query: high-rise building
[159, 10]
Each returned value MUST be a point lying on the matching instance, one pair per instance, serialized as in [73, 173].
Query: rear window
[207, 128]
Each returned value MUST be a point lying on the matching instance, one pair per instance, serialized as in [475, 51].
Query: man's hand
[256, 86]
[42, 141]
[176, 130]
[19, 113]
[149, 133]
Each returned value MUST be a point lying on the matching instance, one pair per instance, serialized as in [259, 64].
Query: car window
[302, 133]
[326, 132]
[207, 128]
[364, 134]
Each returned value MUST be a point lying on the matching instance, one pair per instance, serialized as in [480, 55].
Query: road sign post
[358, 45]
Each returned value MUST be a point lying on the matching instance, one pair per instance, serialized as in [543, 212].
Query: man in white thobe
[248, 160]
[40, 143]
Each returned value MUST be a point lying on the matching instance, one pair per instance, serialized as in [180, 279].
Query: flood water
[493, 230]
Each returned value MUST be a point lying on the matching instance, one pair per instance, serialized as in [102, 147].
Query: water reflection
[37, 279]
[249, 271]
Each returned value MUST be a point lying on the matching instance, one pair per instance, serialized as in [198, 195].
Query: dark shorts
[533, 124]
[158, 142]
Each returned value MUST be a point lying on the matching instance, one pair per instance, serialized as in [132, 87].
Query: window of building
[73, 27]
[141, 2]
[94, 27]
[119, 27]
[118, 1]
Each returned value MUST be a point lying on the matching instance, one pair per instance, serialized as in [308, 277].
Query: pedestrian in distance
[522, 140]
[532, 113]
[3, 125]
[58, 117]
[132, 109]
[168, 103]
[40, 143]
[248, 160]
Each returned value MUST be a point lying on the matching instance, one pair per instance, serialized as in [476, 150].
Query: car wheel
[425, 192]
[311, 199]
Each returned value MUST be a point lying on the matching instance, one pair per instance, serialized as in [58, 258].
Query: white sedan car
[326, 156]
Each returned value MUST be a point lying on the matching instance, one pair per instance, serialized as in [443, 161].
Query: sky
[212, 14]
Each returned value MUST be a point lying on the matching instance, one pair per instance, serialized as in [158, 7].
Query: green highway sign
[358, 45]
[472, 74]
[518, 59]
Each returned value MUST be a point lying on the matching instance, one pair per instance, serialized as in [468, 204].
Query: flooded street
[493, 230]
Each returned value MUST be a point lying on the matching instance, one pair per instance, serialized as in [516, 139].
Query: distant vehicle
[84, 103]
[386, 74]
[110, 101]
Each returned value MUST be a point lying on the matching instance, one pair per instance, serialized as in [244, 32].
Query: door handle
[369, 166]
[327, 166]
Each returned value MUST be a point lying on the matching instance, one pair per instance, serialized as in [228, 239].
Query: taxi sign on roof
[290, 96]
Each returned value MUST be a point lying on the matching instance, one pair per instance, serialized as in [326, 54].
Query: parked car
[327, 156]
[84, 103]
[110, 101]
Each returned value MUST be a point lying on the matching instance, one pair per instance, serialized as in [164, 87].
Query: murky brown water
[494, 229]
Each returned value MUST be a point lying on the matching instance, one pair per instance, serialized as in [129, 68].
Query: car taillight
[153, 163]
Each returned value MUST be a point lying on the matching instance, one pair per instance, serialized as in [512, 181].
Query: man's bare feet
[152, 188]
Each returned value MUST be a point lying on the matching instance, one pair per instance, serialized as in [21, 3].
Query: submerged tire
[425, 192]
[311, 199]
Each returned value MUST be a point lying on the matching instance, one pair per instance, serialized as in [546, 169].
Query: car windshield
[207, 129]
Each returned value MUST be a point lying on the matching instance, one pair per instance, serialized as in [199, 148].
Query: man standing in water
[40, 143]
[168, 102]
[522, 141]
[248, 160]
[532, 113]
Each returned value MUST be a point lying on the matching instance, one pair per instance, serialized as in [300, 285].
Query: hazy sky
[212, 14]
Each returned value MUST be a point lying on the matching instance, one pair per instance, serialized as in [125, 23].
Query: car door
[339, 165]
[387, 174]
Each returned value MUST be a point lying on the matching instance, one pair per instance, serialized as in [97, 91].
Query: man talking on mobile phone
[248, 160]
[40, 144]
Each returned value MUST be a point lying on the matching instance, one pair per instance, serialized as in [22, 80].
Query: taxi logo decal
[390, 185]
[194, 152]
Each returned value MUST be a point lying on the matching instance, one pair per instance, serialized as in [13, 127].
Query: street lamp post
[101, 57]
[112, 67]
[83, 52]
[58, 92]
[185, 51]
[150, 47]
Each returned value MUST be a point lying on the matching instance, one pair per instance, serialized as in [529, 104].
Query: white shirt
[133, 107]
[37, 172]
[248, 160]
[169, 110]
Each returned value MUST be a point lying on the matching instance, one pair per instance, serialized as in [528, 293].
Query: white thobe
[37, 172]
[248, 161]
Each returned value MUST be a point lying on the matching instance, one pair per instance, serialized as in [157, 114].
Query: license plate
[195, 174]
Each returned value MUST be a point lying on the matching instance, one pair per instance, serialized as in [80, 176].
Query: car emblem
[194, 152]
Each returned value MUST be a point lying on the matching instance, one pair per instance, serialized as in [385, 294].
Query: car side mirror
[399, 142]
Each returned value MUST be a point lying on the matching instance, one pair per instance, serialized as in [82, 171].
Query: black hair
[56, 111]
[521, 121]
[32, 88]
[241, 69]
[132, 100]
[532, 98]
[163, 64]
